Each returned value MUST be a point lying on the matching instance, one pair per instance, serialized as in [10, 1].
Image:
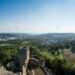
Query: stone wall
[23, 59]
[23, 62]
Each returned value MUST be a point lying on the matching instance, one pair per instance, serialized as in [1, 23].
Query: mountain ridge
[39, 36]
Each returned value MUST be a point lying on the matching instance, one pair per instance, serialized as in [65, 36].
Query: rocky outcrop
[3, 71]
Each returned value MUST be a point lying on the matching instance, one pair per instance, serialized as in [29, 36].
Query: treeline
[59, 45]
[8, 54]
[16, 41]
[59, 65]
[9, 51]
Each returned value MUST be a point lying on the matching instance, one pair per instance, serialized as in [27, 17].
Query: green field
[69, 55]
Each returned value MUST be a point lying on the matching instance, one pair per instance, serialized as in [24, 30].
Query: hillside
[51, 36]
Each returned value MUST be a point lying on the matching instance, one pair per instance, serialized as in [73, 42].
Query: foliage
[59, 65]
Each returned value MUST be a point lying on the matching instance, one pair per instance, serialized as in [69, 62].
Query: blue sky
[37, 16]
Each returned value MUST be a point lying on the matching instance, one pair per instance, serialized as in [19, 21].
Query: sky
[37, 16]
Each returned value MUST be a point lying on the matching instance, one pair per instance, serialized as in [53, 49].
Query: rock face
[5, 72]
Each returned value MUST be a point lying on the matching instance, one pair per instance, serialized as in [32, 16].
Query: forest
[53, 54]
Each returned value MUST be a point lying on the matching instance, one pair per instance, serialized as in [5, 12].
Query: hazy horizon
[37, 16]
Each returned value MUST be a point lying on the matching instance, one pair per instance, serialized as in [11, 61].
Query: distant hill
[57, 36]
[9, 36]
[51, 36]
